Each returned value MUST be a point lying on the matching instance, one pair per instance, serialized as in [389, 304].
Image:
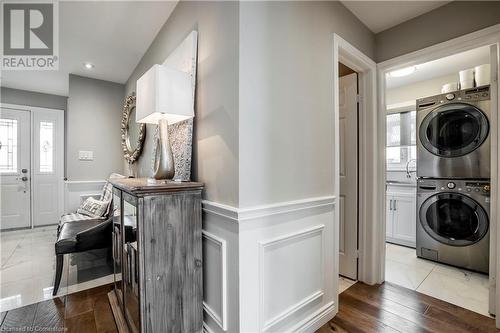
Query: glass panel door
[8, 145]
[15, 182]
[117, 245]
[48, 166]
[46, 145]
[131, 262]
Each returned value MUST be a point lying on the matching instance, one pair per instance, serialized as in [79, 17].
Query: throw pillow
[93, 207]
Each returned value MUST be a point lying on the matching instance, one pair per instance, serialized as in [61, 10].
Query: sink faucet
[408, 172]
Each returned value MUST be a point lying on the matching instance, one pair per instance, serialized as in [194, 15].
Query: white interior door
[14, 169]
[48, 166]
[348, 200]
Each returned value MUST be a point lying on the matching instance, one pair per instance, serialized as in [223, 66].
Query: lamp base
[164, 167]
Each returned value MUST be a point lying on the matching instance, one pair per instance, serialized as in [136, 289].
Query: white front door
[348, 201]
[14, 169]
[48, 166]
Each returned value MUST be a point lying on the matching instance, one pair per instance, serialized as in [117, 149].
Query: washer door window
[454, 219]
[453, 130]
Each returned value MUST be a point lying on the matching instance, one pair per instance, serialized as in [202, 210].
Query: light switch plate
[86, 155]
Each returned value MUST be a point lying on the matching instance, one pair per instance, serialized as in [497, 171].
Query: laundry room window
[401, 140]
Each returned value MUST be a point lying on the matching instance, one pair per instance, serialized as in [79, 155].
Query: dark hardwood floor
[86, 311]
[363, 309]
[391, 308]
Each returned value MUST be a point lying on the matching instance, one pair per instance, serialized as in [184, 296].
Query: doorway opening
[367, 189]
[32, 201]
[31, 166]
[348, 198]
[438, 129]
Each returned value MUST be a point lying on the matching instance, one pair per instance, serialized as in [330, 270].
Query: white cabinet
[401, 215]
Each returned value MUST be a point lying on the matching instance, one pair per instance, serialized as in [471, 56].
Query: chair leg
[59, 268]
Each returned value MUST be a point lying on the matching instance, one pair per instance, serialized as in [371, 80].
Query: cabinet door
[117, 244]
[405, 219]
[130, 263]
[389, 216]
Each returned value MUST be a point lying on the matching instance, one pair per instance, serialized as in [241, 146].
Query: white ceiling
[442, 67]
[113, 35]
[381, 15]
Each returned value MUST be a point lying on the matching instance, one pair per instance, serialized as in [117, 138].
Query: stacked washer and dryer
[453, 185]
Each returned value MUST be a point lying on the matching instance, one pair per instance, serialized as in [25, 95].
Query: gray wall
[286, 97]
[215, 151]
[263, 95]
[24, 97]
[93, 122]
[449, 21]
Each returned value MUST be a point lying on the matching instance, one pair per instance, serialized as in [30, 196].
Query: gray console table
[157, 254]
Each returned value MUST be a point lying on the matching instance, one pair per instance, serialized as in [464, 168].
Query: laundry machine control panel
[467, 95]
[467, 186]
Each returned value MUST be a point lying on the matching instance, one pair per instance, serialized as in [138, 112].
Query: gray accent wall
[263, 125]
[24, 97]
[286, 97]
[93, 123]
[444, 23]
[215, 142]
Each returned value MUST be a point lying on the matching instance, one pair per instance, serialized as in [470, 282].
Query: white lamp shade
[164, 93]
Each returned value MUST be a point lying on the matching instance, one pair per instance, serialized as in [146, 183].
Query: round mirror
[133, 133]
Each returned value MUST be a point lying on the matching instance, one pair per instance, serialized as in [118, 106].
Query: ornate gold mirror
[133, 133]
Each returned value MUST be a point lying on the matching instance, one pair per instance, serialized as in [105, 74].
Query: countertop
[401, 183]
[141, 186]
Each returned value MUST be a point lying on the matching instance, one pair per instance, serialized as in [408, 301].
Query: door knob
[24, 178]
[24, 170]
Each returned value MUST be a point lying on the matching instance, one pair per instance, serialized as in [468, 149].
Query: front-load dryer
[453, 135]
[453, 222]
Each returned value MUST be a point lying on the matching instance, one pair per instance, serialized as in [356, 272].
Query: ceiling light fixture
[88, 65]
[403, 71]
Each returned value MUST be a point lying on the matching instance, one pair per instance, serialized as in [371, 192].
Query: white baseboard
[318, 319]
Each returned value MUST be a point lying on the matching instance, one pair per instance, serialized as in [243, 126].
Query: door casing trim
[486, 37]
[32, 110]
[369, 186]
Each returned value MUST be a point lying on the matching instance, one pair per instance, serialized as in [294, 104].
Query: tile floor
[457, 286]
[27, 268]
[344, 284]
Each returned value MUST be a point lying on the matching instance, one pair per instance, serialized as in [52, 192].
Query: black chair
[80, 236]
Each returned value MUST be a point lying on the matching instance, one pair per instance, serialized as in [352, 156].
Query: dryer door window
[454, 219]
[453, 130]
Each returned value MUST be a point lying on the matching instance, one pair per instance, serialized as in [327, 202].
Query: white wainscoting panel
[75, 191]
[291, 273]
[215, 279]
[280, 266]
[220, 267]
[286, 254]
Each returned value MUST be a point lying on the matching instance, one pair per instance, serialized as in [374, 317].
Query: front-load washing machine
[453, 138]
[453, 222]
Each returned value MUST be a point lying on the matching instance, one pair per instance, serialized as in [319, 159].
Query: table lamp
[164, 97]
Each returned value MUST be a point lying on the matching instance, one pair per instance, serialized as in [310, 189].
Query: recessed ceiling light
[403, 71]
[88, 65]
